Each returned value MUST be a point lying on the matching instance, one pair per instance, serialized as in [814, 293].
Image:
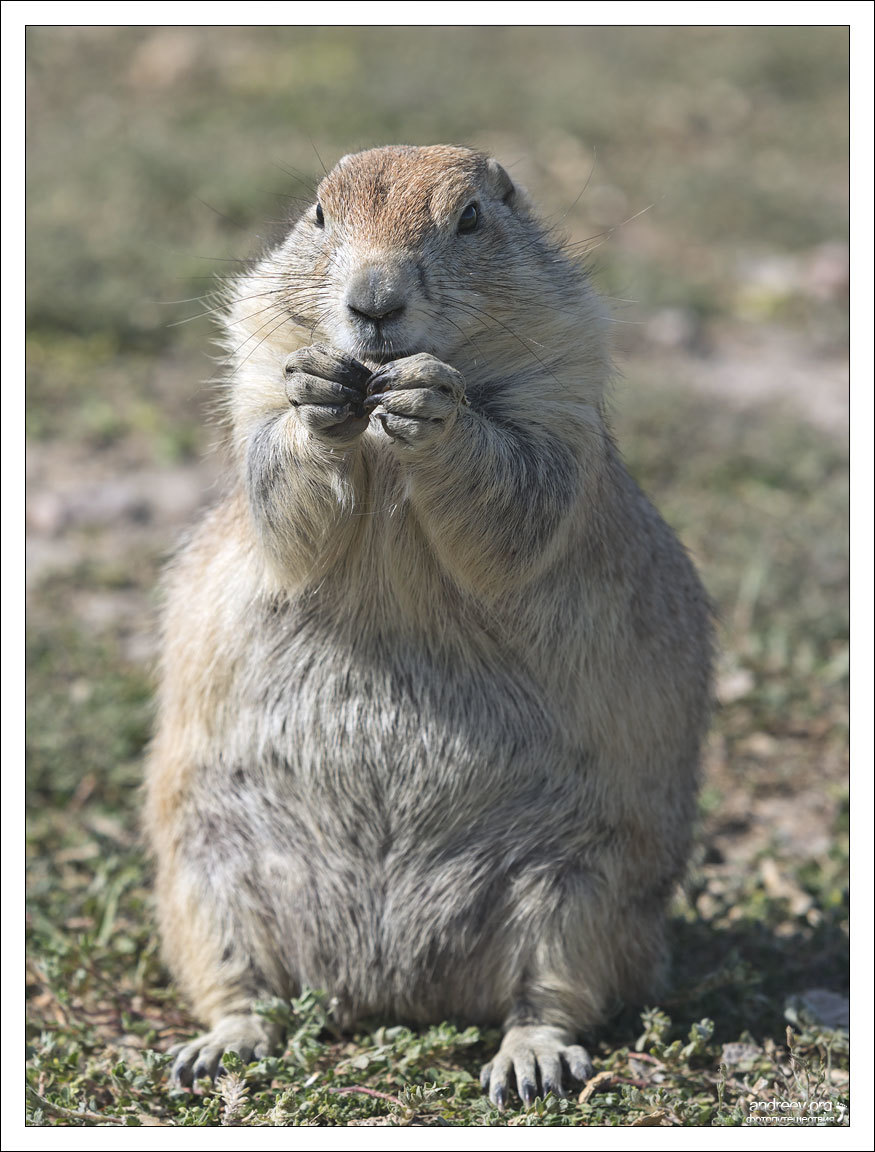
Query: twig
[69, 1114]
[599, 1081]
[369, 1092]
[651, 1120]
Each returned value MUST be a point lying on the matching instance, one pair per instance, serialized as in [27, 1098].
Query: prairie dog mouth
[374, 359]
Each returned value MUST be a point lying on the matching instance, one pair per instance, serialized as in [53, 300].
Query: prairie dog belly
[363, 819]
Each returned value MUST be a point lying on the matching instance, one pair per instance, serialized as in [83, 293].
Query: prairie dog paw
[534, 1059]
[327, 389]
[251, 1037]
[415, 398]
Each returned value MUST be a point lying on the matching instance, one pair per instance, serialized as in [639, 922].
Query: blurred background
[704, 171]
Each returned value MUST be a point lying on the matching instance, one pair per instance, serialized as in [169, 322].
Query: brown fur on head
[393, 196]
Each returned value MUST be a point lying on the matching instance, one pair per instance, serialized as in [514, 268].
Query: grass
[186, 142]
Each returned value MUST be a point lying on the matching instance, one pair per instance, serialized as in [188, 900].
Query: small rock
[820, 1006]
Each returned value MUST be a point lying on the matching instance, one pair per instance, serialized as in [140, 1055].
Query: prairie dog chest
[383, 709]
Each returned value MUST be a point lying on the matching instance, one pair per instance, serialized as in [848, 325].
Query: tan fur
[436, 674]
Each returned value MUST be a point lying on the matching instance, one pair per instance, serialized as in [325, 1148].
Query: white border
[858, 16]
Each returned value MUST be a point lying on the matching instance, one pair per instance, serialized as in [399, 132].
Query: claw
[535, 1059]
[202, 1058]
[382, 377]
[373, 399]
[579, 1064]
[181, 1075]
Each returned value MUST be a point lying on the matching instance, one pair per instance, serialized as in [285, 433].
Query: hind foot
[251, 1037]
[535, 1058]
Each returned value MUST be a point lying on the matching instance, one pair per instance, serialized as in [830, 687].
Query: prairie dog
[435, 672]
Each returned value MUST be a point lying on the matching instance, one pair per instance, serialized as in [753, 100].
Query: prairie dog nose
[376, 294]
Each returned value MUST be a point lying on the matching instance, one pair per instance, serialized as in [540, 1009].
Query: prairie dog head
[402, 242]
[408, 250]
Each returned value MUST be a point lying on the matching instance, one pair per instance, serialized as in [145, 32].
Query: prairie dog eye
[320, 216]
[470, 218]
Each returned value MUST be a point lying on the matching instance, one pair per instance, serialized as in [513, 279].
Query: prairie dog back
[436, 673]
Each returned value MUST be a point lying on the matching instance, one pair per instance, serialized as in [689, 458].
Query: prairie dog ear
[499, 181]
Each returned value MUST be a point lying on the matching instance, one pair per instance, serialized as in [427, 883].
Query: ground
[730, 296]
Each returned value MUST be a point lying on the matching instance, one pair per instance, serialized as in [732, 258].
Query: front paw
[327, 389]
[251, 1037]
[535, 1059]
[416, 399]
